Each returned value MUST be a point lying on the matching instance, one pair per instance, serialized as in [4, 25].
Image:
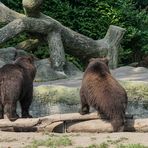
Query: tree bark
[72, 122]
[60, 39]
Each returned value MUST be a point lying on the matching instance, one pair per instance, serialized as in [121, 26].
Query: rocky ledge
[62, 96]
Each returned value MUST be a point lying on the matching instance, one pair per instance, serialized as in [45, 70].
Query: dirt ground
[21, 140]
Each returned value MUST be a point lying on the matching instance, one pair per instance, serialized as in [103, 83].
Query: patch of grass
[117, 141]
[102, 145]
[107, 145]
[132, 146]
[52, 142]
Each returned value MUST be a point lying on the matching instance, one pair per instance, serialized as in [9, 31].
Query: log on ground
[72, 122]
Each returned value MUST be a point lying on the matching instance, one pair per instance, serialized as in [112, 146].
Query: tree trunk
[60, 38]
[72, 122]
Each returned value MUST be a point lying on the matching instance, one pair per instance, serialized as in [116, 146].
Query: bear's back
[101, 89]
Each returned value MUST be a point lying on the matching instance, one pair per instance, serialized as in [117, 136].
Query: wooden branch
[113, 37]
[57, 54]
[73, 122]
[25, 24]
[65, 39]
[7, 15]
[32, 7]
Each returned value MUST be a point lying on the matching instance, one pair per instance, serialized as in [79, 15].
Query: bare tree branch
[60, 39]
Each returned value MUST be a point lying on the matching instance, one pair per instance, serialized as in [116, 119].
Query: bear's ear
[31, 59]
[92, 59]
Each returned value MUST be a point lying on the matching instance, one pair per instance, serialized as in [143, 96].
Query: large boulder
[44, 69]
[2, 63]
[46, 73]
[21, 53]
[7, 55]
[129, 73]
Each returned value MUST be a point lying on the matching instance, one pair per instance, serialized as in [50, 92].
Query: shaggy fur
[16, 84]
[101, 91]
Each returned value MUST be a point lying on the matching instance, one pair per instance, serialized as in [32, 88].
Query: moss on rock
[57, 94]
[136, 90]
[70, 95]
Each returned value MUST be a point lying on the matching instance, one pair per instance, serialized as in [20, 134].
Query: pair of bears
[99, 90]
[16, 84]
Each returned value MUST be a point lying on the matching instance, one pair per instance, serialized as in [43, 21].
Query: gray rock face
[131, 73]
[21, 53]
[45, 72]
[2, 63]
[71, 70]
[7, 55]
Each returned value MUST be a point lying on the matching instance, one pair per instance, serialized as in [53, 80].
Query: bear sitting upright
[101, 91]
[16, 84]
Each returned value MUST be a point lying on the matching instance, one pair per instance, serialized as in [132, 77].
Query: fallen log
[72, 122]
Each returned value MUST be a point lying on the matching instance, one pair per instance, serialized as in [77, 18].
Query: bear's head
[103, 60]
[27, 63]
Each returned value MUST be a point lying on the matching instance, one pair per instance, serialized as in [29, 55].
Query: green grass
[132, 146]
[117, 141]
[57, 141]
[102, 145]
[52, 142]
[107, 145]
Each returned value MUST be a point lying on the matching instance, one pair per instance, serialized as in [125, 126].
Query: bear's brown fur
[16, 84]
[101, 91]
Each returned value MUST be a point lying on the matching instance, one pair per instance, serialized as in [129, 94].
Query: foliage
[75, 61]
[15, 40]
[42, 51]
[13, 4]
[93, 17]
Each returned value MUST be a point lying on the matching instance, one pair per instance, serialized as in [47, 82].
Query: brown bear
[102, 92]
[16, 84]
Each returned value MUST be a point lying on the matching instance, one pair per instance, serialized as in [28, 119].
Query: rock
[7, 55]
[135, 64]
[136, 90]
[45, 72]
[21, 53]
[62, 96]
[129, 73]
[55, 94]
[2, 63]
[71, 70]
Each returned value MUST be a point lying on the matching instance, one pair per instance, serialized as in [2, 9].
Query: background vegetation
[93, 17]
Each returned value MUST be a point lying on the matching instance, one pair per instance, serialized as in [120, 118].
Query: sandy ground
[21, 140]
